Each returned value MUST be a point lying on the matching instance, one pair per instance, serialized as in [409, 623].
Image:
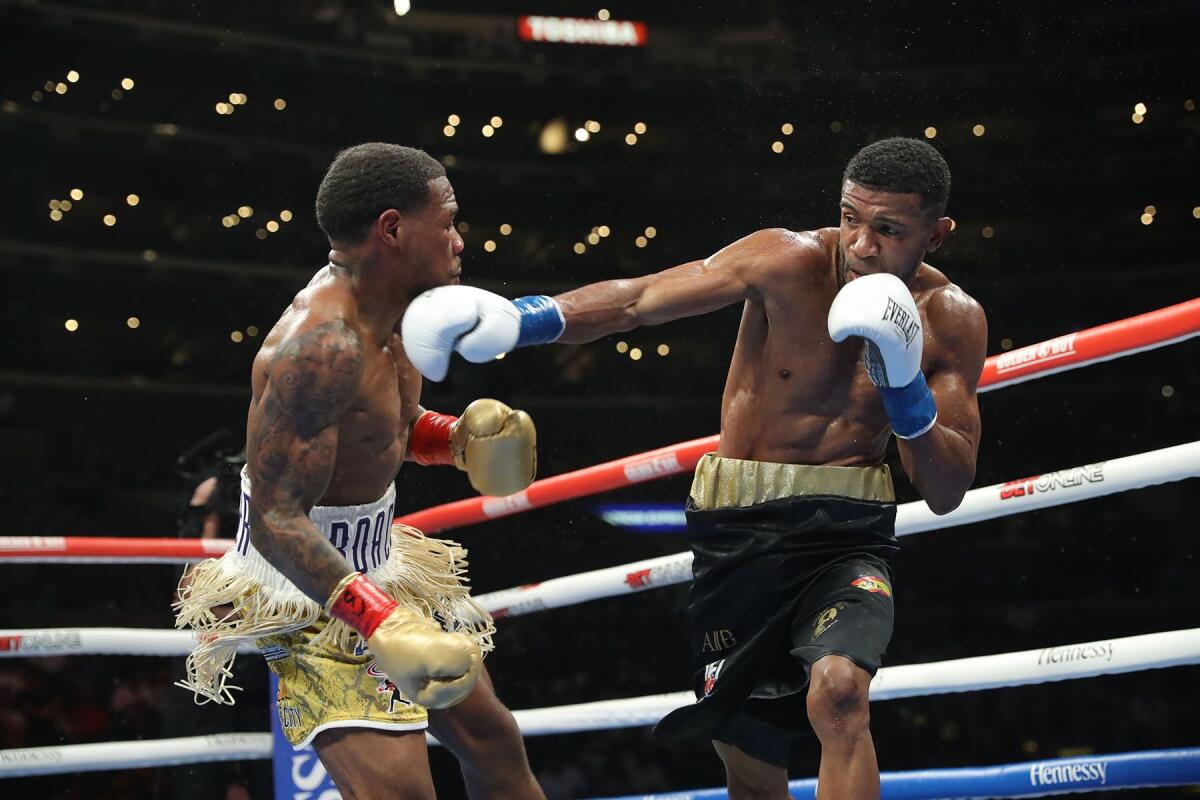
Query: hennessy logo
[720, 639]
[904, 322]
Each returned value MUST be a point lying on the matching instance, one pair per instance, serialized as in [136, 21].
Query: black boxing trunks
[791, 564]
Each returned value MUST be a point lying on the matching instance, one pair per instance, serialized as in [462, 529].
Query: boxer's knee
[838, 697]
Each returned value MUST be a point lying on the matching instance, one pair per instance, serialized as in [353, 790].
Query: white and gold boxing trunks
[327, 677]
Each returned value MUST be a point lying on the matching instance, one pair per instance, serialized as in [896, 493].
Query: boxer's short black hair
[365, 180]
[904, 166]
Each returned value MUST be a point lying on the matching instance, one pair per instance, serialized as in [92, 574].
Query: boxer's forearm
[292, 544]
[941, 464]
[599, 309]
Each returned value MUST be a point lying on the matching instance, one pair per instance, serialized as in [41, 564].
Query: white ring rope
[1022, 668]
[989, 502]
[130, 755]
[28, 642]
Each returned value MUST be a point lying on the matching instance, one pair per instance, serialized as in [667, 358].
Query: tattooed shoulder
[314, 375]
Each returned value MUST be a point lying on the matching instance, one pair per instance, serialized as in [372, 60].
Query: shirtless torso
[373, 430]
[792, 394]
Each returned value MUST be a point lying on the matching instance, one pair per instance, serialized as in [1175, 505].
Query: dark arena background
[160, 163]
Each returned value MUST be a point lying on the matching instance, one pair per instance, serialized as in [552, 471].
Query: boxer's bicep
[959, 334]
[313, 380]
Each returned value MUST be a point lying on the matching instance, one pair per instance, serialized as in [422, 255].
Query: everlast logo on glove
[898, 316]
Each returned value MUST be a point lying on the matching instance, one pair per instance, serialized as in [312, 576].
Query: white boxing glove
[880, 309]
[478, 324]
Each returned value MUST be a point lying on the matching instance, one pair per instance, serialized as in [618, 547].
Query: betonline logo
[1051, 481]
[1055, 774]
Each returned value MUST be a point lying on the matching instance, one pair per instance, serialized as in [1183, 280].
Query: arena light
[127, 84]
[110, 220]
[490, 246]
[651, 232]
[582, 135]
[280, 104]
[272, 225]
[401, 7]
[639, 128]
[71, 325]
[664, 350]
[622, 347]
[505, 229]
[553, 138]
[132, 199]
[1140, 108]
[787, 129]
[631, 138]
[496, 121]
[931, 132]
[72, 76]
[1189, 105]
[776, 147]
[979, 130]
[133, 323]
[252, 330]
[581, 30]
[285, 215]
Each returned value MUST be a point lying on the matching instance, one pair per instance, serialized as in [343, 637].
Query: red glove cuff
[362, 605]
[430, 443]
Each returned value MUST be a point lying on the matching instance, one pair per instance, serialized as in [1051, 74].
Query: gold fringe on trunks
[426, 575]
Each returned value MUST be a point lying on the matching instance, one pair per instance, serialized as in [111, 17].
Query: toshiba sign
[573, 30]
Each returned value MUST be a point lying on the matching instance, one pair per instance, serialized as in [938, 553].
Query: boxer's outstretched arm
[688, 290]
[291, 444]
[941, 462]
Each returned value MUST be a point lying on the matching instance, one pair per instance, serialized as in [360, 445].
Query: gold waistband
[737, 483]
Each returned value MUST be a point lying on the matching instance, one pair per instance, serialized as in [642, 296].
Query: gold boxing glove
[429, 666]
[495, 445]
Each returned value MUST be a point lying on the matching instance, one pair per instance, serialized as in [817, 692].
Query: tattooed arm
[312, 379]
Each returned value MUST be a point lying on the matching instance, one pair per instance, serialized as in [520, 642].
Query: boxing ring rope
[1105, 342]
[1021, 668]
[1092, 773]
[1147, 331]
[1124, 337]
[989, 502]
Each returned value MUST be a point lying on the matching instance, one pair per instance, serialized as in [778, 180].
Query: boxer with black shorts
[846, 338]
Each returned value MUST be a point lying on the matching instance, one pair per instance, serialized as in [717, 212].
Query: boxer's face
[885, 232]
[434, 245]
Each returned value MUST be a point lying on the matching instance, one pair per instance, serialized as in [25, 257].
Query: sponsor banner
[1036, 355]
[42, 643]
[1053, 481]
[57, 543]
[1092, 651]
[502, 506]
[1084, 773]
[582, 30]
[299, 774]
[651, 468]
[659, 575]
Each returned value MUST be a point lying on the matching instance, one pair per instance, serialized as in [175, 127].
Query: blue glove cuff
[911, 408]
[541, 320]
